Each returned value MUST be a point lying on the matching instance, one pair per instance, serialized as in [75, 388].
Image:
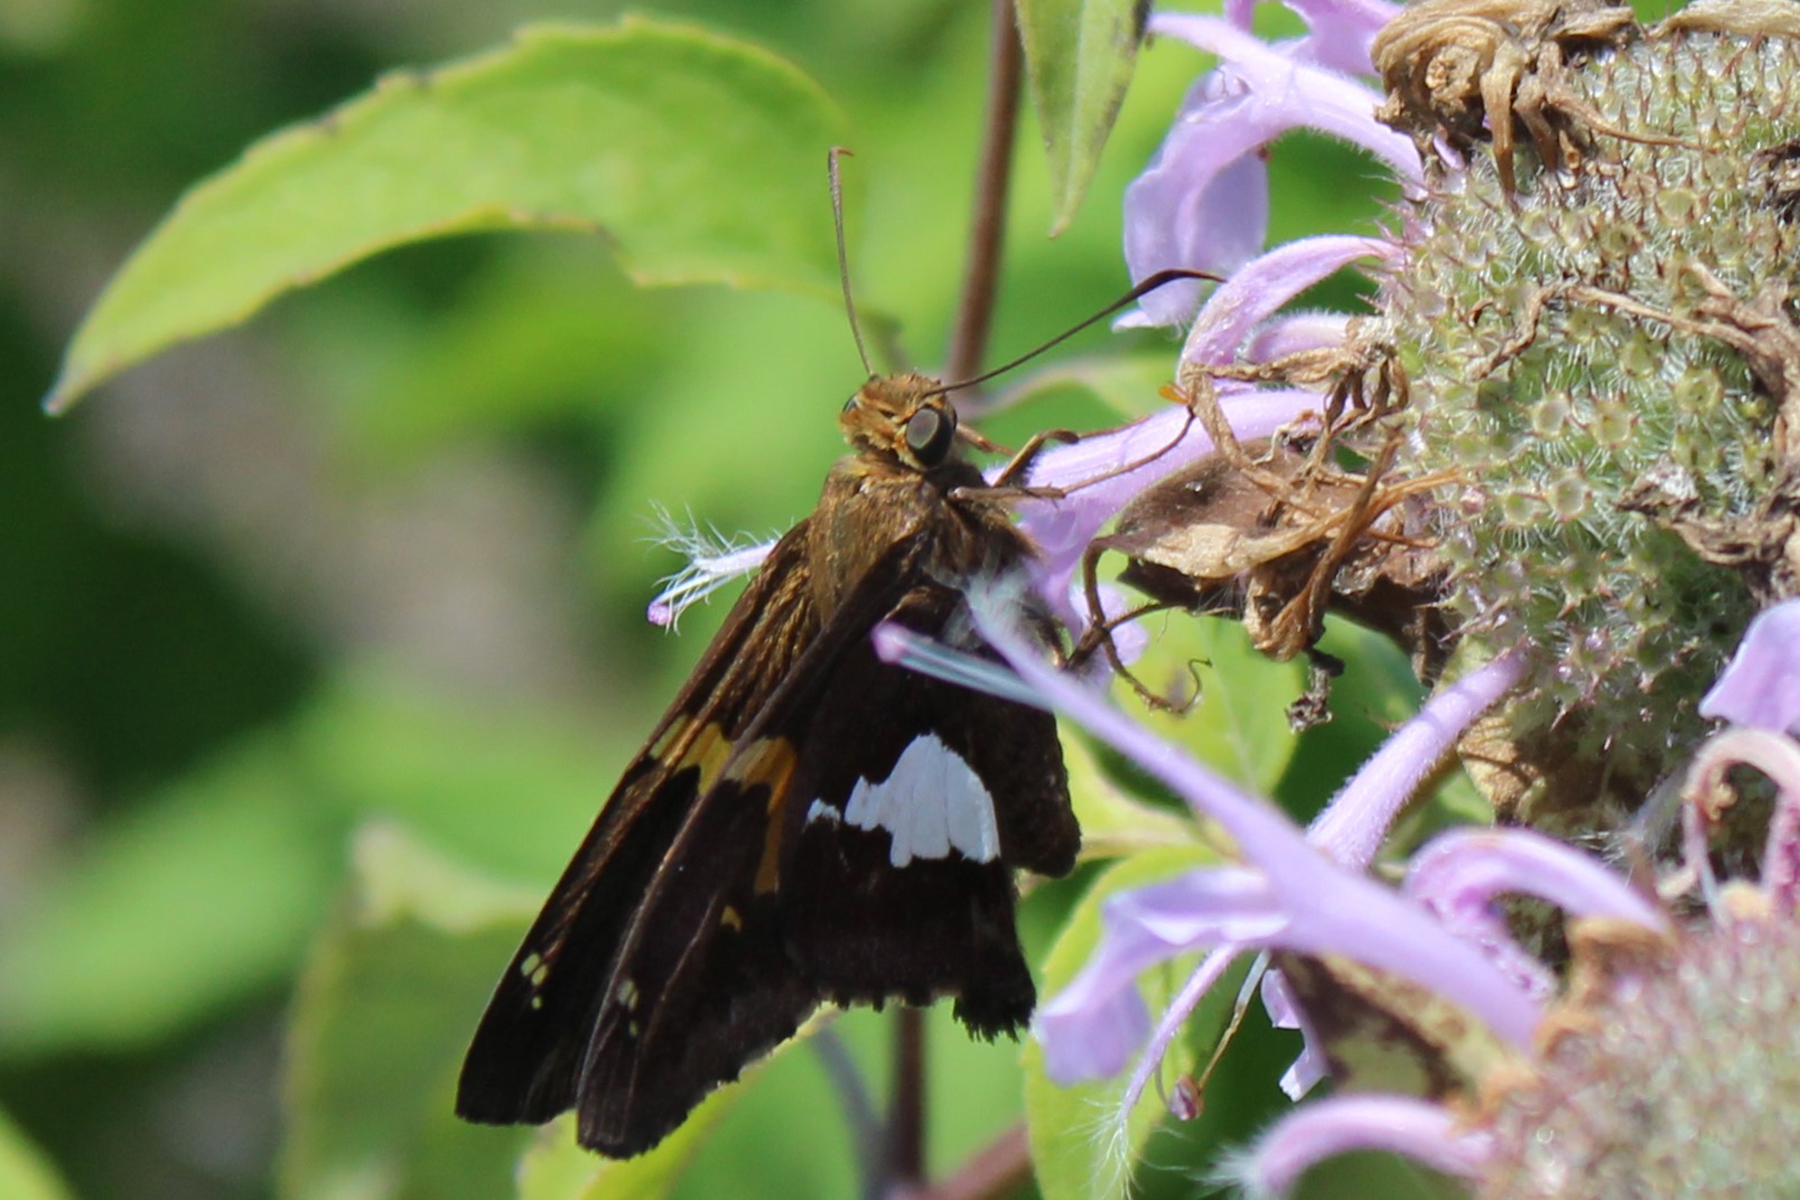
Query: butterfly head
[902, 417]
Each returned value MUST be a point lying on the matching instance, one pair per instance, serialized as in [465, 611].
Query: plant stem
[868, 1136]
[997, 1170]
[987, 223]
[906, 1122]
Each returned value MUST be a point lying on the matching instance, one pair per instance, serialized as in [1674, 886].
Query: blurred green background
[321, 640]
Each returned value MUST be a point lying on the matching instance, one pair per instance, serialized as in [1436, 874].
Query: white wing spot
[932, 802]
[821, 811]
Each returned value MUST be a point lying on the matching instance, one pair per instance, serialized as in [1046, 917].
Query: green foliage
[203, 898]
[693, 154]
[1080, 54]
[380, 1021]
[25, 1174]
[1230, 703]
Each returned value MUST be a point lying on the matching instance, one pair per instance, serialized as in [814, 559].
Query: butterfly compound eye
[929, 433]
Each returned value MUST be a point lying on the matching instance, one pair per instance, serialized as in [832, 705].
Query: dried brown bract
[1278, 533]
[1453, 68]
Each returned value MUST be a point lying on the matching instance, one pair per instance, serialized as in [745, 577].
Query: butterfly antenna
[1143, 289]
[837, 220]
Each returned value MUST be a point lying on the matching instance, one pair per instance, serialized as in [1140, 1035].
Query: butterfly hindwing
[898, 872]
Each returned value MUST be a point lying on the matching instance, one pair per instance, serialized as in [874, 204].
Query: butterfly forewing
[526, 1058]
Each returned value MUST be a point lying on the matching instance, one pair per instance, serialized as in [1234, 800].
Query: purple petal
[1283, 93]
[1285, 1012]
[1188, 209]
[1261, 287]
[895, 643]
[1761, 687]
[1093, 1040]
[1203, 200]
[1322, 908]
[1295, 334]
[1192, 911]
[1462, 871]
[1776, 756]
[1351, 828]
[1460, 875]
[1078, 1026]
[1211, 969]
[1426, 1132]
[1340, 32]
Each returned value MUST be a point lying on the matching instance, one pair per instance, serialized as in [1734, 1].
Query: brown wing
[671, 953]
[658, 967]
[525, 1062]
[704, 979]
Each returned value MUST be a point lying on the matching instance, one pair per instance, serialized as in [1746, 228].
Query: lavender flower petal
[1419, 1129]
[1078, 1026]
[1261, 287]
[1192, 208]
[1284, 94]
[1778, 757]
[1461, 872]
[1315, 906]
[1203, 200]
[1340, 32]
[1091, 1041]
[1352, 826]
[1285, 1012]
[1296, 333]
[1761, 687]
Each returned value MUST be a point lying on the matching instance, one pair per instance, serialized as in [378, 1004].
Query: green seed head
[1602, 355]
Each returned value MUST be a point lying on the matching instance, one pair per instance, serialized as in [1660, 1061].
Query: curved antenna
[837, 220]
[1146, 287]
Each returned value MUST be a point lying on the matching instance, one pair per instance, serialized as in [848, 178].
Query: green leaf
[1078, 1153]
[1115, 823]
[385, 1008]
[1238, 721]
[557, 1168]
[201, 897]
[1080, 55]
[508, 789]
[25, 1171]
[699, 158]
